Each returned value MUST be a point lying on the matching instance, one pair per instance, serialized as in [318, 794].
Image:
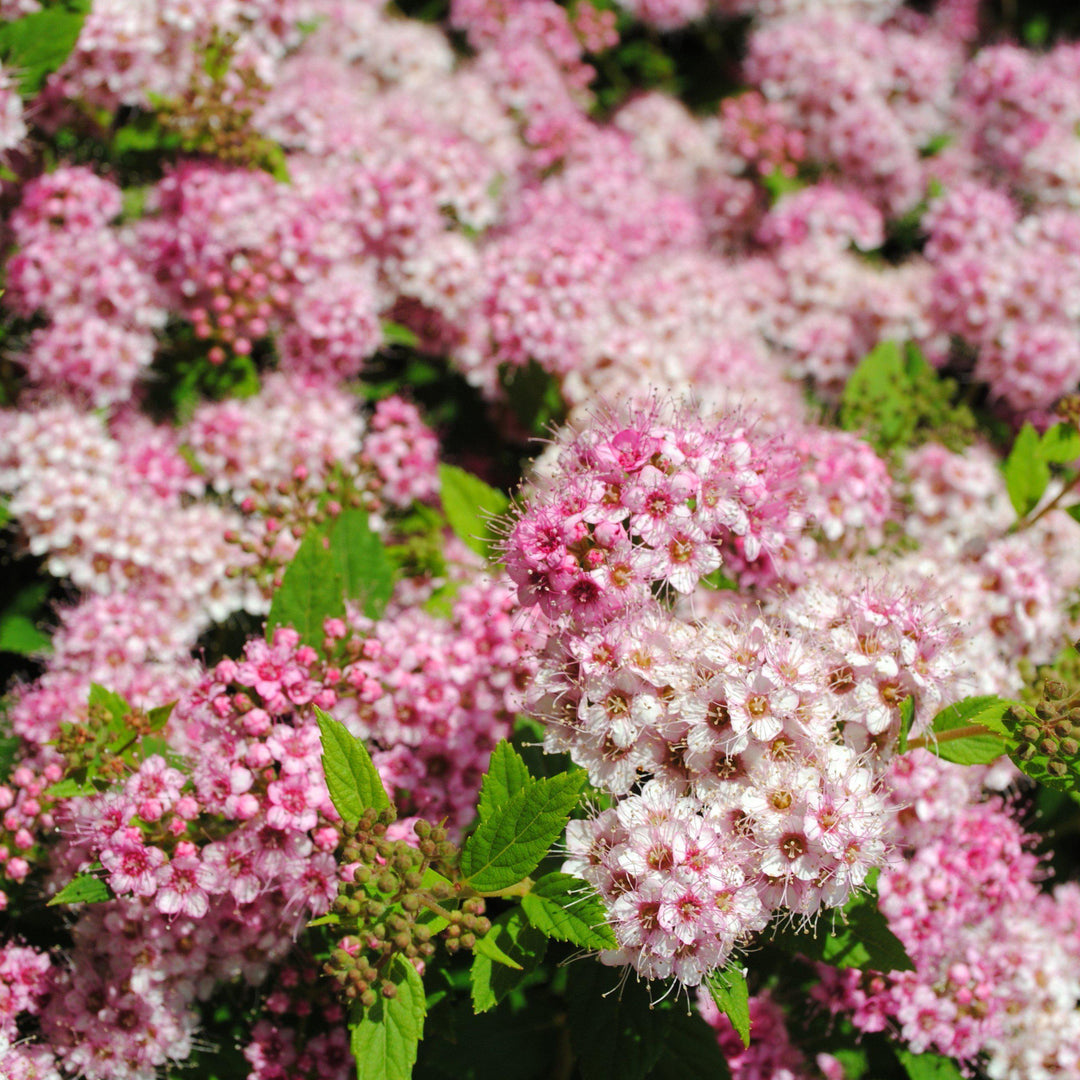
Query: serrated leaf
[691, 1051]
[986, 711]
[491, 977]
[1026, 471]
[470, 506]
[83, 889]
[352, 779]
[386, 1038]
[507, 774]
[907, 714]
[36, 45]
[565, 907]
[928, 1066]
[18, 634]
[732, 997]
[859, 938]
[614, 1031]
[1060, 445]
[312, 591]
[366, 572]
[509, 844]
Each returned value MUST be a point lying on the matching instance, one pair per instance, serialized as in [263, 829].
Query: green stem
[949, 736]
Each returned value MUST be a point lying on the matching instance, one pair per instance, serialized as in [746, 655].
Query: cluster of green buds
[1047, 733]
[214, 113]
[400, 899]
[102, 746]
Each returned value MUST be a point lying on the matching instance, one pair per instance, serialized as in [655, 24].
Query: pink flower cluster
[764, 736]
[87, 278]
[996, 956]
[102, 524]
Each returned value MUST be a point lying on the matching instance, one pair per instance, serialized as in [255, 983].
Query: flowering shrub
[540, 540]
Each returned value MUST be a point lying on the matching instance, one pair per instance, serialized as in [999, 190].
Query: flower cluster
[764, 736]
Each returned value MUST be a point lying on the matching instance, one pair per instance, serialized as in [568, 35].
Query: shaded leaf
[691, 1051]
[859, 938]
[516, 940]
[614, 1031]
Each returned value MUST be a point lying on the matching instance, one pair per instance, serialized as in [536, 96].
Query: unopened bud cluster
[1051, 731]
[97, 742]
[387, 909]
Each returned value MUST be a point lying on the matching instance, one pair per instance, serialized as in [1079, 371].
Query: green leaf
[507, 774]
[720, 581]
[1073, 511]
[516, 941]
[534, 397]
[470, 506]
[732, 996]
[36, 45]
[511, 841]
[488, 947]
[69, 789]
[352, 779]
[1026, 471]
[978, 749]
[9, 748]
[18, 634]
[691, 1051]
[614, 1030]
[565, 907]
[396, 334]
[859, 938]
[907, 714]
[928, 1066]
[387, 1036]
[1060, 445]
[876, 393]
[83, 889]
[366, 572]
[159, 717]
[312, 591]
[117, 708]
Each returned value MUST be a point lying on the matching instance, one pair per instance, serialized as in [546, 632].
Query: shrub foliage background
[540, 539]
